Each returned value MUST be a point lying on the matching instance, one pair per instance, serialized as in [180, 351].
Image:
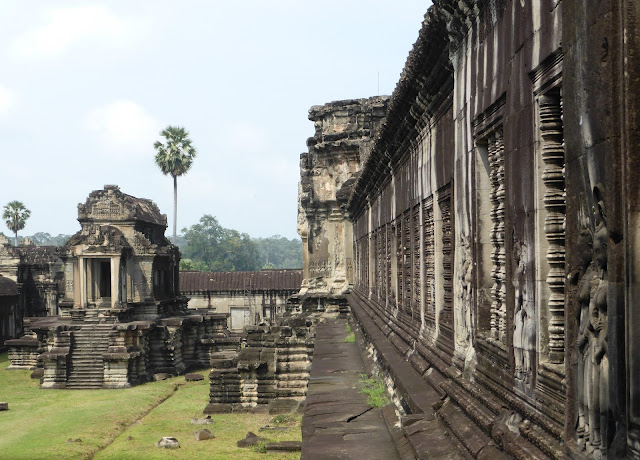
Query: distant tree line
[45, 239]
[208, 246]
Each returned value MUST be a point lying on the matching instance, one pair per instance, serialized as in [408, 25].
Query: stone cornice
[424, 87]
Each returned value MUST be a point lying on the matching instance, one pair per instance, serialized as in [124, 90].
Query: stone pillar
[81, 283]
[305, 259]
[115, 280]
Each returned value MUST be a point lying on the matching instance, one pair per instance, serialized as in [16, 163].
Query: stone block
[168, 442]
[284, 446]
[37, 373]
[282, 406]
[193, 377]
[218, 408]
[251, 439]
[203, 435]
[4, 406]
[270, 428]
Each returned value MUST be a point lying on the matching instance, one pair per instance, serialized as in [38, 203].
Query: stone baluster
[555, 205]
[498, 256]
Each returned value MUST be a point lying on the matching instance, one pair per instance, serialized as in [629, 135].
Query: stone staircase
[86, 369]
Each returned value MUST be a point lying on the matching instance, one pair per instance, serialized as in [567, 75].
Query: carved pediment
[112, 205]
[102, 237]
[107, 209]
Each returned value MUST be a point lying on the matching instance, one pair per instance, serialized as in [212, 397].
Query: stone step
[292, 358]
[84, 386]
[292, 384]
[91, 343]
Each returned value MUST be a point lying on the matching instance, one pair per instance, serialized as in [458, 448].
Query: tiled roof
[263, 280]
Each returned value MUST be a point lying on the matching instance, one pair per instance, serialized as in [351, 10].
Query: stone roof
[8, 287]
[38, 255]
[263, 280]
[425, 84]
[100, 237]
[112, 205]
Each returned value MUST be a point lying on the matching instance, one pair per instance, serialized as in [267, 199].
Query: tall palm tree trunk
[175, 207]
[16, 233]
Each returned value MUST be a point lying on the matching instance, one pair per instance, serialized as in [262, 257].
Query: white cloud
[7, 100]
[125, 125]
[79, 25]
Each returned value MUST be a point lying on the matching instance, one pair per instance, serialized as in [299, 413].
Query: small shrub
[348, 328]
[260, 448]
[350, 338]
[375, 391]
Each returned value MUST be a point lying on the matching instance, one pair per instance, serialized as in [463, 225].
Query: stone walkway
[338, 423]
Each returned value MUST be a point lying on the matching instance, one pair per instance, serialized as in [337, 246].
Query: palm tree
[15, 215]
[174, 157]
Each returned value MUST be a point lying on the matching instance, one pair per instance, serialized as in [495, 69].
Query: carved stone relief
[380, 263]
[429, 264]
[388, 255]
[497, 196]
[465, 293]
[551, 132]
[107, 209]
[524, 320]
[445, 319]
[593, 367]
[399, 265]
[407, 264]
[416, 262]
[374, 260]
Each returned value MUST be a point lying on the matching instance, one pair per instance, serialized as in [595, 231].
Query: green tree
[193, 265]
[280, 252]
[221, 249]
[41, 238]
[15, 215]
[174, 157]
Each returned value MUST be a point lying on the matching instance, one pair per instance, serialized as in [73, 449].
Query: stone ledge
[426, 435]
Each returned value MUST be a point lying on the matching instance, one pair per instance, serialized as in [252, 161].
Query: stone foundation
[270, 372]
[113, 355]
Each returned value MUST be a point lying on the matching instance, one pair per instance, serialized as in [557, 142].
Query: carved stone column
[498, 256]
[115, 280]
[555, 205]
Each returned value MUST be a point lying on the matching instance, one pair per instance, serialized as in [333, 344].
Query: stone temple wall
[495, 229]
[343, 138]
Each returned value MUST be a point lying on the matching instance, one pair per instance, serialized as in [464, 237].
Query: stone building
[10, 314]
[495, 228]
[32, 278]
[343, 136]
[249, 298]
[121, 316]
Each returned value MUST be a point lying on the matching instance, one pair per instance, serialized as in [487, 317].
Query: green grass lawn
[112, 424]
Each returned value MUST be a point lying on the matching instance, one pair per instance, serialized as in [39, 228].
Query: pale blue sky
[86, 86]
